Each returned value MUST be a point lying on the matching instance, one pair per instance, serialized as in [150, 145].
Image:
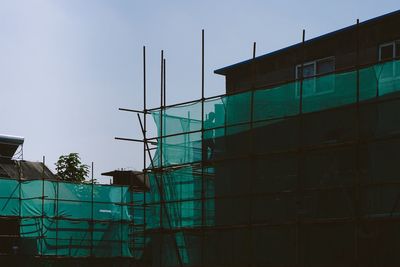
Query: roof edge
[223, 71]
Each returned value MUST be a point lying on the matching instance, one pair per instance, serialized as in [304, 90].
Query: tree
[70, 168]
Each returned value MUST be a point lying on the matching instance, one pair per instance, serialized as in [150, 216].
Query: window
[326, 65]
[308, 70]
[387, 52]
[313, 86]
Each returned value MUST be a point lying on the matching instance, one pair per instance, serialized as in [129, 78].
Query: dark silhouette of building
[305, 167]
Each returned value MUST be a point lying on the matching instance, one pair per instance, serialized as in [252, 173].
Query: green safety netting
[197, 187]
[180, 126]
[200, 186]
[68, 222]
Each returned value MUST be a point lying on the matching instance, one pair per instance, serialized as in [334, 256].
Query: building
[374, 40]
[296, 166]
[135, 179]
[12, 164]
[46, 221]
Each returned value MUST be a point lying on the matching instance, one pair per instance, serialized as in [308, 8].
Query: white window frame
[394, 52]
[393, 44]
[314, 62]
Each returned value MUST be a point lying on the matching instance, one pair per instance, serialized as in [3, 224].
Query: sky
[66, 66]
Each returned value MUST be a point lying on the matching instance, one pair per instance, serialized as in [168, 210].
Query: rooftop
[225, 70]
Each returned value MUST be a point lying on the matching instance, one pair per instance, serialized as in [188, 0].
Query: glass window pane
[308, 70]
[325, 66]
[386, 52]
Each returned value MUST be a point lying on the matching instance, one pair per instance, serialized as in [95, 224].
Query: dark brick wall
[280, 67]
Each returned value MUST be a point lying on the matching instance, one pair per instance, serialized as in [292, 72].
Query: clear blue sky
[67, 65]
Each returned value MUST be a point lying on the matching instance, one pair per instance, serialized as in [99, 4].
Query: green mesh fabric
[203, 185]
[179, 127]
[68, 223]
[200, 186]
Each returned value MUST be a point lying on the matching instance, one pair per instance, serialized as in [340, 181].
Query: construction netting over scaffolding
[302, 173]
[74, 219]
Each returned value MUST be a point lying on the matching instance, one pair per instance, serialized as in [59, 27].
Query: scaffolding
[304, 173]
[69, 222]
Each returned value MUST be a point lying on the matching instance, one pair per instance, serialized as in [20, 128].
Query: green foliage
[70, 168]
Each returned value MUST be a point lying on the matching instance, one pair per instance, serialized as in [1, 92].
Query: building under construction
[45, 221]
[297, 165]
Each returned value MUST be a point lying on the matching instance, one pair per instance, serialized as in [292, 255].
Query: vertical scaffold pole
[204, 153]
[43, 212]
[302, 73]
[254, 73]
[357, 161]
[144, 151]
[165, 81]
[164, 175]
[164, 117]
[131, 218]
[57, 194]
[121, 222]
[252, 158]
[92, 212]
[300, 151]
[160, 156]
[19, 195]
